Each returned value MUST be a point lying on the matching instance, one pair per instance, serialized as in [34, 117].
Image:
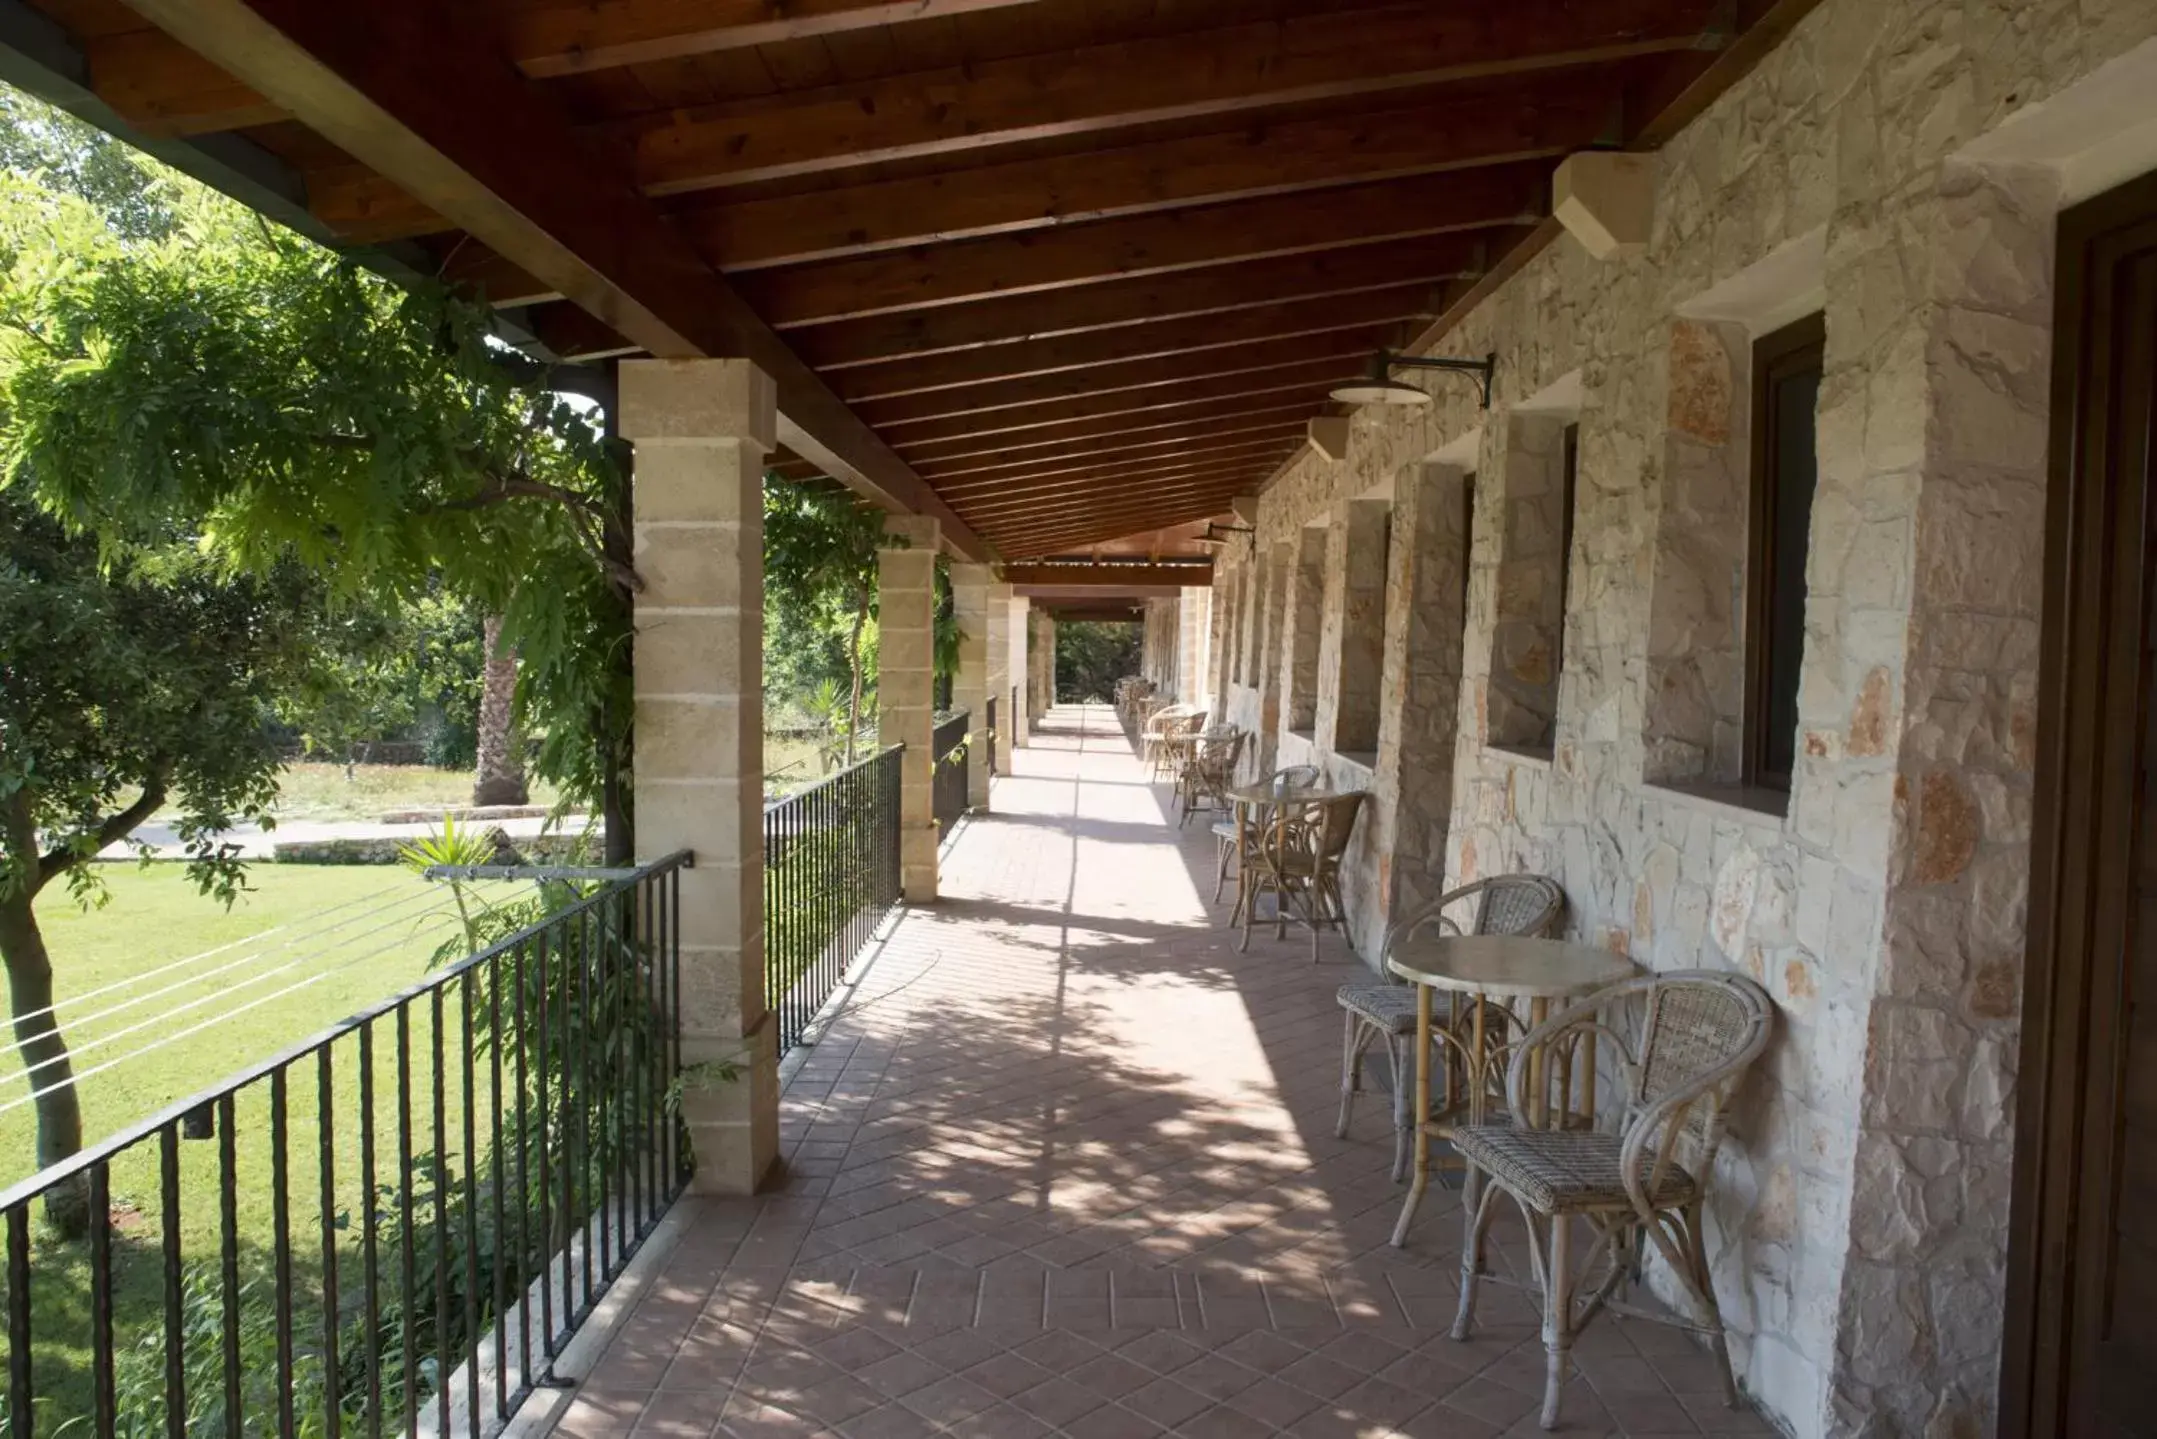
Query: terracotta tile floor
[1067, 1167]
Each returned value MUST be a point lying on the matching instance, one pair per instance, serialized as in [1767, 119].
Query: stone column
[1000, 672]
[970, 687]
[1022, 675]
[1352, 642]
[1419, 714]
[1046, 662]
[701, 429]
[906, 689]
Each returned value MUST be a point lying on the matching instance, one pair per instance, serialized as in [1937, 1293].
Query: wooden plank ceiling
[1057, 270]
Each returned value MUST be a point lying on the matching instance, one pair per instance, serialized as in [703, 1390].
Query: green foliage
[820, 582]
[133, 195]
[143, 1400]
[143, 676]
[1091, 655]
[246, 386]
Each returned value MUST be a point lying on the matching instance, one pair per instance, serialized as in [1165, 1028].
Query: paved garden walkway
[1067, 1167]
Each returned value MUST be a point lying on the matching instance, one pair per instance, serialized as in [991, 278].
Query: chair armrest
[1585, 1014]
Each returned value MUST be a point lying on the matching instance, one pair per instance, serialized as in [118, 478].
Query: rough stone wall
[1696, 617]
[1351, 645]
[1521, 700]
[1858, 1226]
[1299, 643]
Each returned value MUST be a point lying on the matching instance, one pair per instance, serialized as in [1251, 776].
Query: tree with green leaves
[820, 564]
[208, 425]
[130, 681]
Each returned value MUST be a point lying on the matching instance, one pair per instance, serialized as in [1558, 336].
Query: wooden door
[2081, 1351]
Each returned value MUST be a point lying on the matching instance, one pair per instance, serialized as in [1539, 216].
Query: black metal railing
[988, 738]
[831, 874]
[446, 1181]
[948, 790]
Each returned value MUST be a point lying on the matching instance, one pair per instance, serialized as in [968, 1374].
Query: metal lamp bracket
[1485, 369]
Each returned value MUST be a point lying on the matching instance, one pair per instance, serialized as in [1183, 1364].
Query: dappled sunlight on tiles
[1066, 1166]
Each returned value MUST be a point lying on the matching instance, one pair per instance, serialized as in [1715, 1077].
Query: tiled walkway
[1067, 1167]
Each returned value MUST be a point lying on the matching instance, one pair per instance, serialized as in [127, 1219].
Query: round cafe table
[1262, 797]
[1495, 972]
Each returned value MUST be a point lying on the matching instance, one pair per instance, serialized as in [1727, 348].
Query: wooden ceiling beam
[1327, 54]
[1151, 300]
[469, 265]
[973, 470]
[398, 84]
[1208, 339]
[569, 37]
[1545, 118]
[1274, 227]
[166, 88]
[1300, 399]
[1028, 542]
[1139, 384]
[1110, 575]
[1091, 482]
[1060, 507]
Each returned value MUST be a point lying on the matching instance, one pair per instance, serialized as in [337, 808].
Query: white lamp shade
[1380, 392]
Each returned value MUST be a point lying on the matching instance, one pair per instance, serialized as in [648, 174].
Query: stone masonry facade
[1861, 1217]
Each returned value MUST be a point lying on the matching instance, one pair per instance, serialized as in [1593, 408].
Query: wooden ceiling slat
[1546, 117]
[1016, 489]
[1014, 508]
[1198, 338]
[1116, 86]
[1179, 242]
[1207, 435]
[1137, 385]
[1304, 393]
[1543, 119]
[400, 92]
[1153, 300]
[1075, 530]
[1121, 576]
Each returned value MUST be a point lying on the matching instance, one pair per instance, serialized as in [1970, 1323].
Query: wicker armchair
[1295, 776]
[1209, 770]
[1384, 1010]
[1161, 755]
[1154, 723]
[1684, 1040]
[1299, 858]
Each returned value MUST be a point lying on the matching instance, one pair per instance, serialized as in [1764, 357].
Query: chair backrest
[1163, 719]
[1501, 904]
[1684, 1039]
[1317, 830]
[1294, 776]
[1221, 746]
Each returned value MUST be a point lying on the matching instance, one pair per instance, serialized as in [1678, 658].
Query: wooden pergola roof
[1055, 271]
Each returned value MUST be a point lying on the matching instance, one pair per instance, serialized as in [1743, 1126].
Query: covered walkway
[1066, 1166]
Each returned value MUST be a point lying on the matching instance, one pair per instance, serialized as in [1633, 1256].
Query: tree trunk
[501, 748]
[44, 1054]
[853, 665]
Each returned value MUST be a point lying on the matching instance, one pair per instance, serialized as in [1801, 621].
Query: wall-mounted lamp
[1380, 388]
[1218, 533]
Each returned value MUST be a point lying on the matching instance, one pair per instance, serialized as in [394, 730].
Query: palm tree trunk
[853, 664]
[501, 748]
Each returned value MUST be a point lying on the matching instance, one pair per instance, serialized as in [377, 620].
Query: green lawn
[321, 791]
[308, 947]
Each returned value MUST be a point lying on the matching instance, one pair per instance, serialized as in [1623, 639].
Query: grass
[312, 791]
[342, 939]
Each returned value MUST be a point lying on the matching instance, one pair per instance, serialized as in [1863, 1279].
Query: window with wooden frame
[1569, 485]
[1785, 470]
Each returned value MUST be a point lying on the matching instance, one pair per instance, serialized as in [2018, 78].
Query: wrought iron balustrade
[450, 1180]
[831, 874]
[949, 740]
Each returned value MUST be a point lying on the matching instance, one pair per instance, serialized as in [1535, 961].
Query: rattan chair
[1295, 776]
[1209, 770]
[1683, 1041]
[1385, 1010]
[1157, 721]
[1160, 753]
[1298, 857]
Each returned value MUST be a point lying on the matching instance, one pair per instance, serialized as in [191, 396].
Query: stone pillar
[1000, 673]
[1022, 675]
[1426, 598]
[701, 429]
[1046, 662]
[906, 689]
[970, 687]
[1352, 641]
